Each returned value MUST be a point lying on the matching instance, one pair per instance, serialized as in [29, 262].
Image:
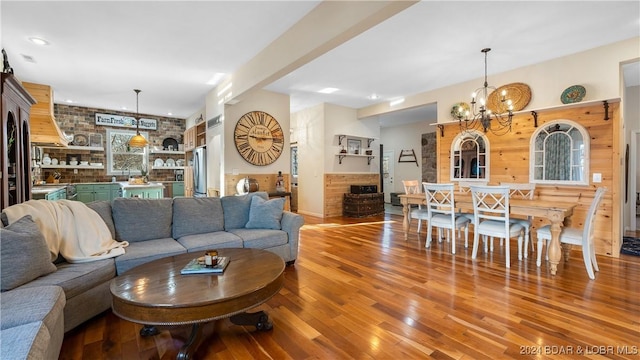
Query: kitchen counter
[145, 191]
[43, 190]
[126, 185]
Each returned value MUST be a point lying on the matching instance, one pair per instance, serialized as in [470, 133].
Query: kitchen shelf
[169, 152]
[75, 147]
[167, 167]
[71, 167]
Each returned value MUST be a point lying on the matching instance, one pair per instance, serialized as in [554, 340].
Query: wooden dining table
[554, 211]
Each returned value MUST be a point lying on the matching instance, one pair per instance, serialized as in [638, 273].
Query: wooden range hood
[44, 129]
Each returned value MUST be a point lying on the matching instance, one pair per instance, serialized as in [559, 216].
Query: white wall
[276, 105]
[343, 120]
[309, 132]
[598, 70]
[631, 115]
[405, 137]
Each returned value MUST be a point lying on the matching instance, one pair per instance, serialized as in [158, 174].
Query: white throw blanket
[70, 228]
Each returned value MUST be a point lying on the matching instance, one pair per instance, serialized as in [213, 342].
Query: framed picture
[354, 146]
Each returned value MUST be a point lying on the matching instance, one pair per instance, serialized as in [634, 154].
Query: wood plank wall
[266, 182]
[509, 162]
[336, 185]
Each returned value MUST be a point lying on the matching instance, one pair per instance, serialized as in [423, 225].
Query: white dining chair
[464, 187]
[523, 191]
[491, 209]
[414, 187]
[442, 214]
[575, 236]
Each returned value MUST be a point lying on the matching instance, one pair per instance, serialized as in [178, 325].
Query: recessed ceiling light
[374, 97]
[38, 41]
[169, 113]
[328, 90]
[396, 102]
[69, 101]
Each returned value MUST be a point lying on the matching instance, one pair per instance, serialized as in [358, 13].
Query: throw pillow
[265, 214]
[24, 254]
[236, 209]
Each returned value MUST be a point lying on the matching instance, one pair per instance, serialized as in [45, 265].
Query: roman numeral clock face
[259, 138]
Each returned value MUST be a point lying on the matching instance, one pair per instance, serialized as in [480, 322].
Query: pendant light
[138, 141]
[480, 115]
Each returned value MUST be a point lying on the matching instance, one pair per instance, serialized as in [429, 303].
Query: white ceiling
[101, 51]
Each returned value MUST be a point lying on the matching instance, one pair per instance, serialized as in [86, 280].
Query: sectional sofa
[41, 299]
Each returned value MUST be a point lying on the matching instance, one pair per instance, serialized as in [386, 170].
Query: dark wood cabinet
[15, 150]
[362, 205]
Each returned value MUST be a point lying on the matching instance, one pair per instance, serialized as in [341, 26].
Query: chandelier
[479, 115]
[137, 141]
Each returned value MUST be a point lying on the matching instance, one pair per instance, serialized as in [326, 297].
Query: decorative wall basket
[518, 93]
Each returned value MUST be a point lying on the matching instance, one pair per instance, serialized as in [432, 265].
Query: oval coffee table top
[156, 293]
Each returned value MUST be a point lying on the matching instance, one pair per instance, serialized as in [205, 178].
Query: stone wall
[429, 158]
[81, 120]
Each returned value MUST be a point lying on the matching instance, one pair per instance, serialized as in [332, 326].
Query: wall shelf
[168, 152]
[71, 167]
[342, 156]
[74, 147]
[341, 137]
[167, 167]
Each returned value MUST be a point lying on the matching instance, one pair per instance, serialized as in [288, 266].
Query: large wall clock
[259, 138]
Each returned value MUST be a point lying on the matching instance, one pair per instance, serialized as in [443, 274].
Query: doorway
[388, 172]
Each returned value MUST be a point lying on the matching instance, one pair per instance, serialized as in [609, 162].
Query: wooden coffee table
[156, 293]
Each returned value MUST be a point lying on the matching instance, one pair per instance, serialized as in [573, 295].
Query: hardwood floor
[360, 291]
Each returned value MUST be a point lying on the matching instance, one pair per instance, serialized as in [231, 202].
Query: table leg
[555, 253]
[149, 330]
[259, 319]
[405, 218]
[187, 350]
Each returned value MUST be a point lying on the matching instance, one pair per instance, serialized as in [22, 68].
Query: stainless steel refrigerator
[200, 171]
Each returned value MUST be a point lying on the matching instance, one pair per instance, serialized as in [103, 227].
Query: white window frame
[456, 144]
[586, 145]
[113, 149]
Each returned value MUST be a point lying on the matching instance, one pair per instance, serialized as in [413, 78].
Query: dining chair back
[413, 187]
[575, 236]
[442, 214]
[491, 210]
[464, 187]
[523, 191]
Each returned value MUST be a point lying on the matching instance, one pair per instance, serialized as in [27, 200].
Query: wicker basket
[518, 93]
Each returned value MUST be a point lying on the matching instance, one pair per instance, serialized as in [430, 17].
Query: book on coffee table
[197, 266]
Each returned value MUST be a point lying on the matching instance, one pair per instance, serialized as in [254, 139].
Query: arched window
[470, 156]
[560, 154]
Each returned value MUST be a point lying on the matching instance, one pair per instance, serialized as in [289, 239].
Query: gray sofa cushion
[24, 254]
[210, 241]
[141, 252]
[138, 219]
[261, 238]
[103, 208]
[78, 278]
[236, 209]
[23, 306]
[265, 214]
[28, 341]
[197, 216]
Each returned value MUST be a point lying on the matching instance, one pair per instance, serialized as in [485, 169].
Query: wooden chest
[363, 205]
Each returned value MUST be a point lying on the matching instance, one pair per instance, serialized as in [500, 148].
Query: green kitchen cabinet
[144, 192]
[94, 192]
[178, 189]
[56, 195]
